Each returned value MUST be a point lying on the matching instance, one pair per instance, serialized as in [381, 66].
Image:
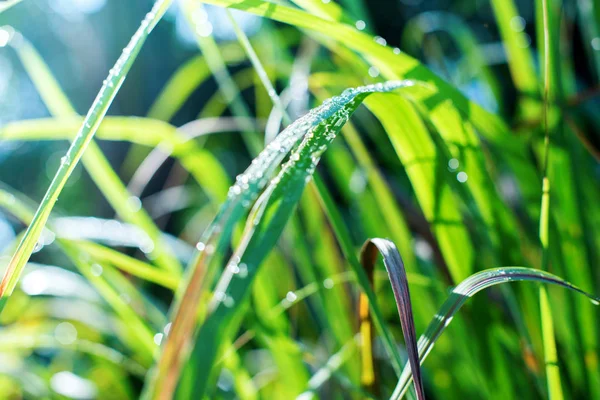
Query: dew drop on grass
[243, 273]
[38, 246]
[396, 50]
[234, 268]
[210, 249]
[462, 177]
[374, 72]
[134, 204]
[291, 297]
[453, 164]
[65, 333]
[158, 338]
[596, 43]
[360, 25]
[517, 23]
[328, 283]
[228, 301]
[4, 37]
[96, 269]
[65, 161]
[380, 40]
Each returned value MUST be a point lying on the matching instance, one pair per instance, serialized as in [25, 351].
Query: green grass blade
[215, 238]
[465, 290]
[201, 164]
[82, 139]
[94, 160]
[550, 89]
[397, 275]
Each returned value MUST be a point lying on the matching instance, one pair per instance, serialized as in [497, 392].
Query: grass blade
[320, 125]
[467, 289]
[397, 275]
[82, 139]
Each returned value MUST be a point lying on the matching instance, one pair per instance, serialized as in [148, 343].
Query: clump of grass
[267, 305]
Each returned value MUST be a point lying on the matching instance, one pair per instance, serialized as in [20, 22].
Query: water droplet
[453, 164]
[167, 328]
[243, 273]
[65, 161]
[96, 269]
[134, 204]
[517, 23]
[360, 25]
[65, 333]
[4, 37]
[228, 301]
[380, 40]
[396, 50]
[200, 246]
[234, 268]
[328, 283]
[158, 338]
[596, 43]
[462, 177]
[374, 72]
[204, 29]
[291, 297]
[38, 246]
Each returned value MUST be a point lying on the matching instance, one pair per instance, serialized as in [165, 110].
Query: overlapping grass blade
[142, 337]
[94, 160]
[321, 124]
[82, 139]
[465, 290]
[397, 275]
[200, 163]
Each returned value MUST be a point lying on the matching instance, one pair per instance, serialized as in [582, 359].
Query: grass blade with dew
[216, 237]
[93, 159]
[143, 342]
[467, 289]
[397, 275]
[82, 139]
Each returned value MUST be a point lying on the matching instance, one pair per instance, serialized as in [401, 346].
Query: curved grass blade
[82, 139]
[465, 290]
[397, 275]
[201, 164]
[216, 237]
